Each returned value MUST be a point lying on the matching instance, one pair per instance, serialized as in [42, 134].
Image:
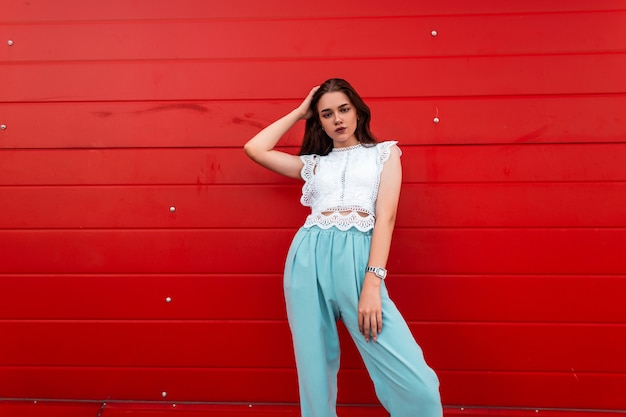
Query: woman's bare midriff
[345, 213]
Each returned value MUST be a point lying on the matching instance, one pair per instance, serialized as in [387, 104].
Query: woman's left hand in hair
[370, 308]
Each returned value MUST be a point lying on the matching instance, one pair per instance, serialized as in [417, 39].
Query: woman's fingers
[376, 325]
[370, 311]
[365, 326]
[373, 328]
[304, 107]
[370, 325]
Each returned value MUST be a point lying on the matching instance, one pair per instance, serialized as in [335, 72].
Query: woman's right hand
[261, 147]
[304, 109]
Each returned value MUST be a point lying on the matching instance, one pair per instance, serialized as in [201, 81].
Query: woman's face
[338, 117]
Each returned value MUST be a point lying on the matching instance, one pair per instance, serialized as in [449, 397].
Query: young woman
[335, 267]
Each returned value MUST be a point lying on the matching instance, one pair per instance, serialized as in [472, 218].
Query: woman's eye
[326, 115]
[345, 109]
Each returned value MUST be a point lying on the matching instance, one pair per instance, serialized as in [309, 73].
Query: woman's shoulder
[384, 148]
[386, 143]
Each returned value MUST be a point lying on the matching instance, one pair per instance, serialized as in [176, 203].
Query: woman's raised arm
[261, 147]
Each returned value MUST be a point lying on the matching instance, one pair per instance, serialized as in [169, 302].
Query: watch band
[379, 271]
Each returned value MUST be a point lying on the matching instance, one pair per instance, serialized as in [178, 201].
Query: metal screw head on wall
[3, 127]
[172, 209]
[168, 299]
[164, 394]
[10, 42]
[434, 33]
[436, 120]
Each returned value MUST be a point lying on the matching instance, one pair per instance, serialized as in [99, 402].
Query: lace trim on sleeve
[384, 150]
[308, 169]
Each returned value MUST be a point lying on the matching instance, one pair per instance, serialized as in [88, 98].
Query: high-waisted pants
[324, 274]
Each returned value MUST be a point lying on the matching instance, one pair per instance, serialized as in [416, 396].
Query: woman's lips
[340, 130]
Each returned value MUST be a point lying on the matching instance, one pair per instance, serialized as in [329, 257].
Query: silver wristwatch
[379, 271]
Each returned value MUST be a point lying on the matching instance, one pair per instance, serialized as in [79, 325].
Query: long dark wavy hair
[316, 141]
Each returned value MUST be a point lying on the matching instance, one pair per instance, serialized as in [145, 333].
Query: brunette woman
[336, 265]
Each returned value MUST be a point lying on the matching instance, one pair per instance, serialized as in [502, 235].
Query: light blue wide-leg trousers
[324, 274]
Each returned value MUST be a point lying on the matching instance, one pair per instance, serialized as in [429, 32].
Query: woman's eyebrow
[339, 107]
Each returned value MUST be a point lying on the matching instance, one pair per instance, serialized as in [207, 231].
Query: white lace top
[345, 180]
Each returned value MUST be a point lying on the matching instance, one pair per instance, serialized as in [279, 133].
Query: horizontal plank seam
[295, 99]
[304, 18]
[312, 57]
[292, 369]
[298, 184]
[281, 100]
[416, 276]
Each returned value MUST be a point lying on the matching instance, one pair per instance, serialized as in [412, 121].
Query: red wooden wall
[141, 252]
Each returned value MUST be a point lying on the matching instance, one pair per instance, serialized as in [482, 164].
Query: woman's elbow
[250, 151]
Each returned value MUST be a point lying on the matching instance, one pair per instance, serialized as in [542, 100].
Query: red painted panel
[69, 408]
[518, 389]
[432, 164]
[138, 166]
[514, 205]
[227, 344]
[497, 251]
[444, 205]
[457, 35]
[155, 343]
[468, 388]
[208, 297]
[583, 119]
[48, 409]
[512, 298]
[429, 298]
[150, 207]
[536, 163]
[148, 384]
[416, 251]
[248, 79]
[64, 10]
